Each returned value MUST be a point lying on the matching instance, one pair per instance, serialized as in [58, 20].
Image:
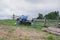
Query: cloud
[28, 7]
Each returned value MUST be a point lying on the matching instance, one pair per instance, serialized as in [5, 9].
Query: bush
[50, 37]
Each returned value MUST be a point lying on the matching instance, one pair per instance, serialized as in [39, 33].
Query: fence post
[13, 17]
[44, 21]
[57, 21]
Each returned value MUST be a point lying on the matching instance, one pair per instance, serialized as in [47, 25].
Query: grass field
[10, 31]
[7, 22]
[12, 23]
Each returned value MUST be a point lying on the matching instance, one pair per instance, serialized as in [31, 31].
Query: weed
[10, 31]
[2, 39]
[50, 37]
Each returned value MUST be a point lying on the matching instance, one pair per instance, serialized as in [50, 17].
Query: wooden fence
[46, 22]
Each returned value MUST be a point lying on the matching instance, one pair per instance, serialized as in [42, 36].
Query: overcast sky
[28, 7]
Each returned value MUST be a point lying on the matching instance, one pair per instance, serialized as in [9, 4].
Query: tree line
[52, 15]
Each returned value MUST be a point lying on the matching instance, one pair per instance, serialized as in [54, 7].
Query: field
[10, 31]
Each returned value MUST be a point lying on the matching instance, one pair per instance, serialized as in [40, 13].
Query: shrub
[50, 37]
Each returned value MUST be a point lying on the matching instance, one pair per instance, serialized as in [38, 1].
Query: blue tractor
[24, 20]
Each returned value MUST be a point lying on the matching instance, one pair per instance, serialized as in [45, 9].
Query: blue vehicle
[24, 20]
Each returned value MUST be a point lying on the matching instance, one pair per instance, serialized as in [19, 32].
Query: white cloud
[28, 7]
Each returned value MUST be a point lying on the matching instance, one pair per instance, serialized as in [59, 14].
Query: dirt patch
[17, 33]
[52, 30]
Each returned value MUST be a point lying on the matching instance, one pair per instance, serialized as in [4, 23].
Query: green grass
[51, 37]
[12, 23]
[7, 22]
[2, 39]
[37, 26]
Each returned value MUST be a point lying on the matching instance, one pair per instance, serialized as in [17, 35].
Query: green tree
[40, 16]
[52, 15]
